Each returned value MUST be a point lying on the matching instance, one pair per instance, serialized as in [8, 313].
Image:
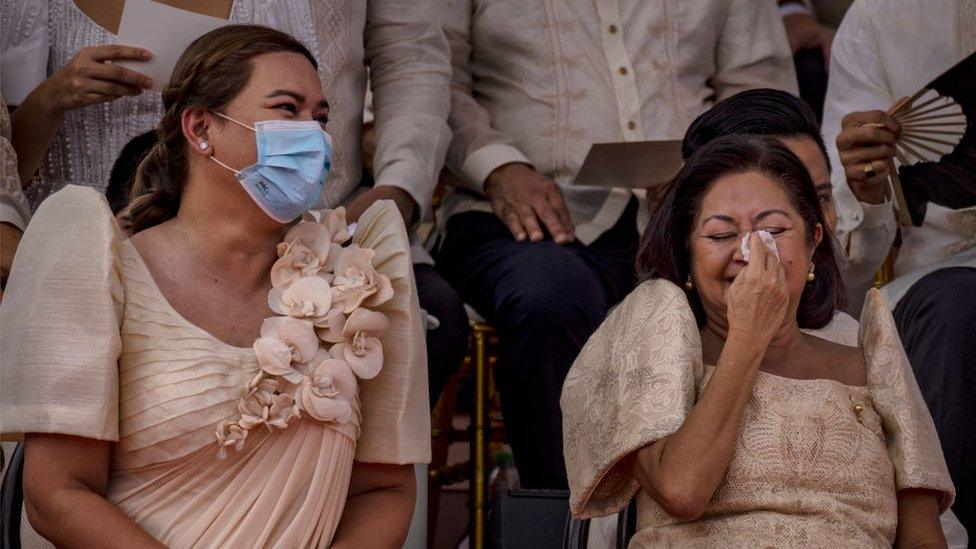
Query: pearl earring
[811, 276]
[204, 146]
[689, 285]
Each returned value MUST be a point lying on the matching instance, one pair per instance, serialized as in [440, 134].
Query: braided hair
[209, 74]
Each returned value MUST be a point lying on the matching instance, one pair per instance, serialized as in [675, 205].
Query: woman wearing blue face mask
[226, 376]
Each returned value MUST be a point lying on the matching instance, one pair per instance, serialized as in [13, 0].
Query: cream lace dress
[91, 348]
[816, 463]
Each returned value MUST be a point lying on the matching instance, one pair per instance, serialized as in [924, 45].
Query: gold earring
[688, 284]
[811, 275]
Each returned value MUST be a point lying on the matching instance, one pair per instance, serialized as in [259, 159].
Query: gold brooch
[857, 409]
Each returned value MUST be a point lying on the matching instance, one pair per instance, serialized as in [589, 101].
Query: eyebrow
[323, 104]
[767, 213]
[824, 186]
[718, 217]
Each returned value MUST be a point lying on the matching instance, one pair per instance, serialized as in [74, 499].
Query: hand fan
[936, 152]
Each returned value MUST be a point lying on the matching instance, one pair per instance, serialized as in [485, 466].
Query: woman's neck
[228, 234]
[782, 349]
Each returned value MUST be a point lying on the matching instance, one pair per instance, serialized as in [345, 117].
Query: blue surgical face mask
[294, 157]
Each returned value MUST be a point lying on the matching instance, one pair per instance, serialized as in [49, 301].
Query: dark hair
[209, 74]
[755, 112]
[124, 170]
[664, 250]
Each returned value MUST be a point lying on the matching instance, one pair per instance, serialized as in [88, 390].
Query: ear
[196, 123]
[818, 234]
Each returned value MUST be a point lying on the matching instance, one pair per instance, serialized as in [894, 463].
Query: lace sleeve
[912, 441]
[14, 208]
[633, 383]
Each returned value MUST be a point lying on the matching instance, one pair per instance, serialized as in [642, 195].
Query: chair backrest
[527, 519]
[626, 524]
[12, 500]
[577, 532]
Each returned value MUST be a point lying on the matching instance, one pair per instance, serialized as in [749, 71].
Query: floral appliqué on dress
[326, 334]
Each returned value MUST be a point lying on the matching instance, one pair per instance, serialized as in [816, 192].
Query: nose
[737, 256]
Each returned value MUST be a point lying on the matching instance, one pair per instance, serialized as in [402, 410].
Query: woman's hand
[759, 297]
[88, 79]
[866, 143]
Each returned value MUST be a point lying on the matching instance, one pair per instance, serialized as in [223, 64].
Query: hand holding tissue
[767, 240]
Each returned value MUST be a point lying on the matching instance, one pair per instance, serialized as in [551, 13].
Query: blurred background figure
[534, 86]
[883, 51]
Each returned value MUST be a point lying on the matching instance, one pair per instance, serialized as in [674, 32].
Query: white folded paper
[163, 30]
[767, 240]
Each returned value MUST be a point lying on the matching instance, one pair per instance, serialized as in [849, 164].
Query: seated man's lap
[512, 282]
[936, 320]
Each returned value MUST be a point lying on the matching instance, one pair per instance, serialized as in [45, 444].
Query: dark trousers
[545, 300]
[447, 343]
[937, 323]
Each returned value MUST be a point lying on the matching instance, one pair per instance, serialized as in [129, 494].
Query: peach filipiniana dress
[817, 463]
[91, 348]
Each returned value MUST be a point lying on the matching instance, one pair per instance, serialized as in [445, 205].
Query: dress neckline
[144, 267]
[813, 380]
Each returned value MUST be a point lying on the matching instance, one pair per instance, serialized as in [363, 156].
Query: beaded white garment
[90, 139]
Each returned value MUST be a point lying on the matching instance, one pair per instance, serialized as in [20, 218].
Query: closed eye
[718, 237]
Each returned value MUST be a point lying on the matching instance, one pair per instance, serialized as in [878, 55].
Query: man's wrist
[405, 203]
[501, 172]
[874, 194]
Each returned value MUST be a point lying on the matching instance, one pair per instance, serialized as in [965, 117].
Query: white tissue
[766, 238]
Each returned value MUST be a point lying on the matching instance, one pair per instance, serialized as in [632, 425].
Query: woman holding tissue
[701, 394]
[224, 377]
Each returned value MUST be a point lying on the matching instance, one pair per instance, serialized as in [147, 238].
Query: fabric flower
[307, 297]
[274, 356]
[334, 222]
[326, 395]
[230, 434]
[297, 334]
[264, 405]
[315, 238]
[370, 323]
[363, 354]
[319, 289]
[296, 261]
[330, 329]
[357, 282]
